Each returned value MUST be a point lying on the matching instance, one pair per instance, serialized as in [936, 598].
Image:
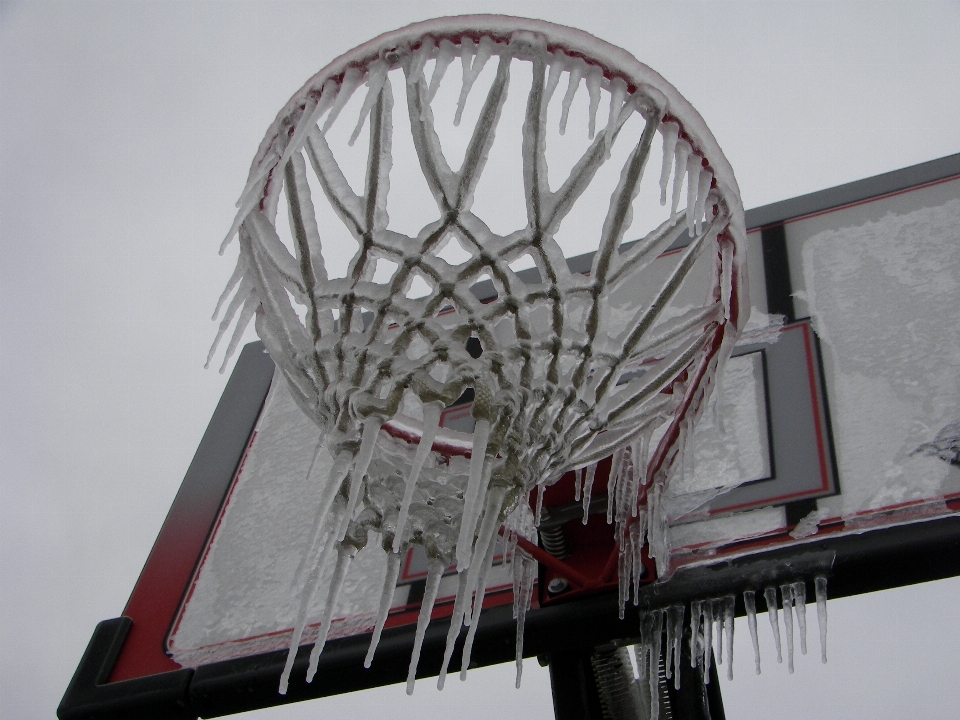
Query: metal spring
[554, 541]
[620, 694]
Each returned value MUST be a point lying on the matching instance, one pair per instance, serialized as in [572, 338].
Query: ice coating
[884, 296]
[358, 352]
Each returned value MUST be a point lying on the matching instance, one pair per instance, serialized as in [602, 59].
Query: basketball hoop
[565, 369]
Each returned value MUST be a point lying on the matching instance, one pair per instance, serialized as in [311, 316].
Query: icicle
[695, 614]
[378, 75]
[693, 184]
[642, 657]
[488, 527]
[670, 131]
[703, 189]
[306, 596]
[770, 595]
[708, 637]
[615, 466]
[541, 489]
[677, 645]
[628, 504]
[468, 49]
[640, 465]
[345, 555]
[820, 585]
[680, 171]
[473, 618]
[446, 55]
[368, 443]
[726, 283]
[637, 530]
[460, 606]
[624, 568]
[473, 498]
[728, 628]
[509, 547]
[577, 484]
[238, 272]
[684, 457]
[587, 489]
[750, 603]
[248, 201]
[431, 424]
[674, 638]
[471, 73]
[351, 81]
[557, 66]
[386, 600]
[594, 76]
[434, 574]
[624, 484]
[721, 620]
[424, 52]
[576, 74]
[800, 603]
[618, 91]
[786, 595]
[250, 306]
[653, 676]
[338, 472]
[311, 113]
[526, 591]
[244, 292]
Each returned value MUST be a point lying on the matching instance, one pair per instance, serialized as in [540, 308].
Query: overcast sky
[126, 133]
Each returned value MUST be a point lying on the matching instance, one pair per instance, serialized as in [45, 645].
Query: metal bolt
[557, 586]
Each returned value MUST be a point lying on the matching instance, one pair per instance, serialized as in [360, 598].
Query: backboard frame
[125, 669]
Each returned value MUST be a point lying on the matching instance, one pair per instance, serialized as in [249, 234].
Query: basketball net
[565, 367]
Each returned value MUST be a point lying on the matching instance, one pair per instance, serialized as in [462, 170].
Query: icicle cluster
[555, 386]
[717, 613]
[710, 634]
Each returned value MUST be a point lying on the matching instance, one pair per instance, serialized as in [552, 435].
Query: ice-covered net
[565, 367]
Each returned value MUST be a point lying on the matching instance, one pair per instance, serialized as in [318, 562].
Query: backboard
[831, 449]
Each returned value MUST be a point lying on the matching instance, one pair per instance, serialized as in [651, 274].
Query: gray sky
[126, 133]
